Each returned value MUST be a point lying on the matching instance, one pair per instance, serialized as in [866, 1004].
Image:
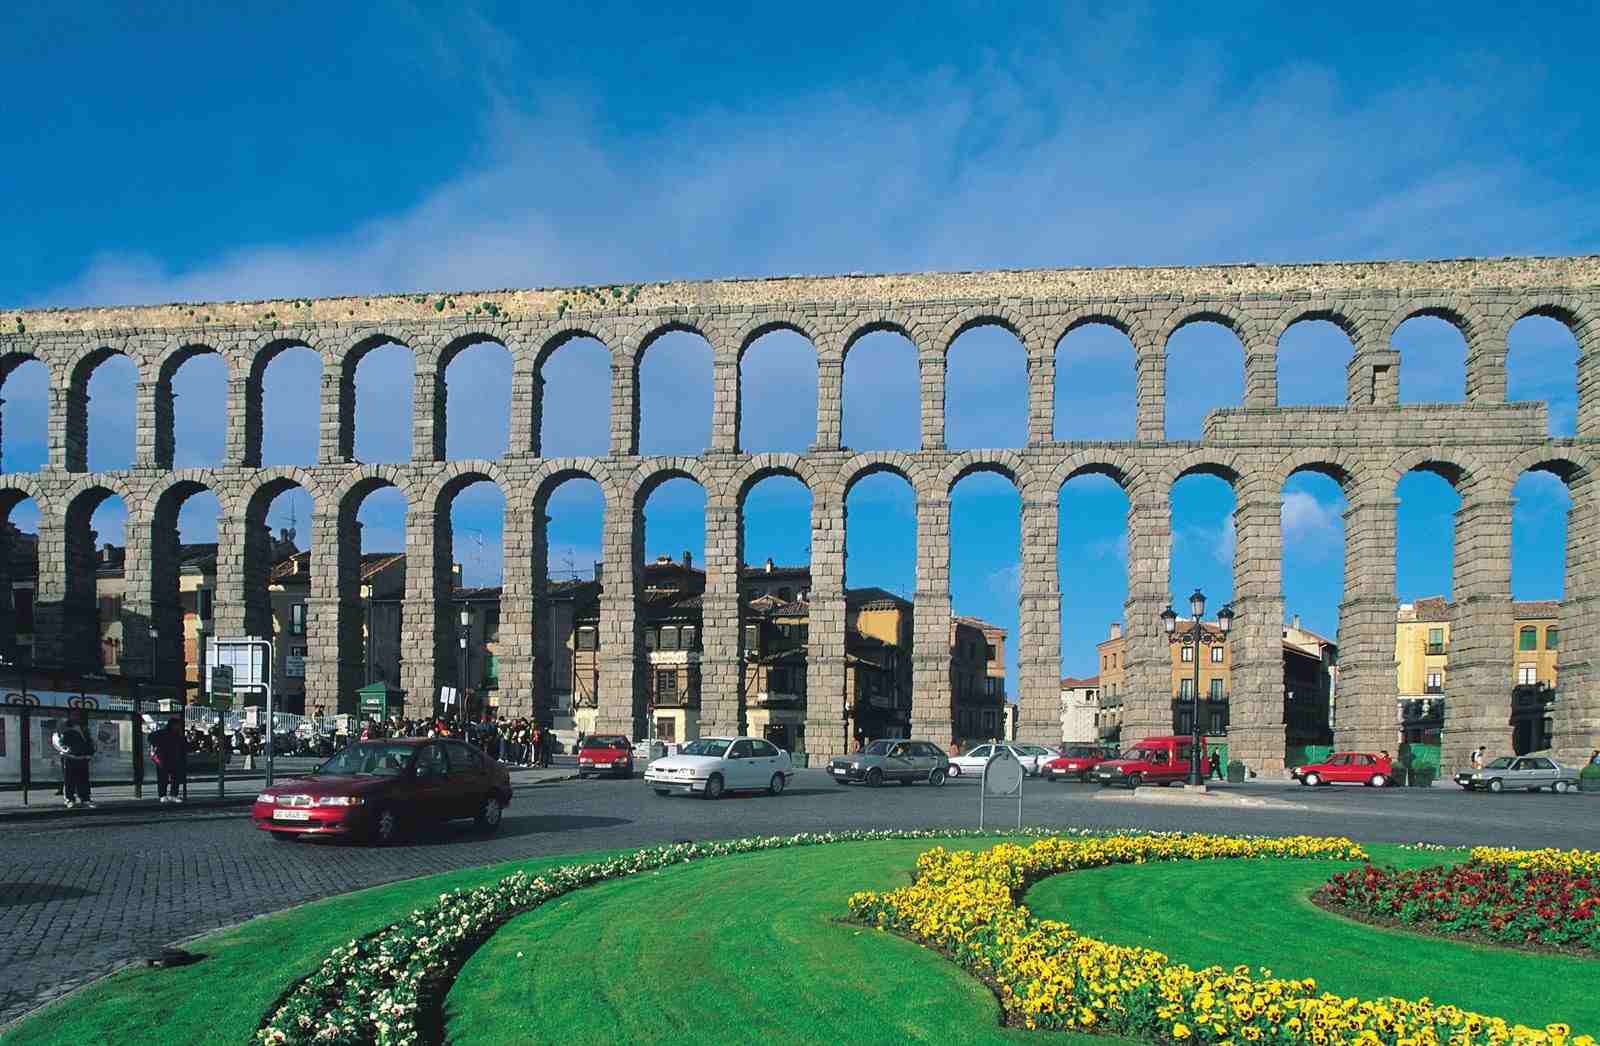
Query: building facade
[1530, 654]
[1080, 710]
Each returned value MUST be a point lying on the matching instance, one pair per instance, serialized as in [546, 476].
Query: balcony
[1433, 649]
[1438, 689]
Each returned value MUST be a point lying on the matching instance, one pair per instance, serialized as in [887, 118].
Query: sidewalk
[239, 790]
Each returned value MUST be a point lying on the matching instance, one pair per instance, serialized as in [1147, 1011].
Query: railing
[1433, 689]
[1433, 648]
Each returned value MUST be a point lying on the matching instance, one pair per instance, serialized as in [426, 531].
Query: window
[688, 637]
[988, 685]
[297, 619]
[666, 685]
[1528, 638]
[491, 624]
[669, 637]
[22, 600]
[1216, 689]
[988, 651]
[1435, 682]
[491, 669]
[742, 750]
[1219, 722]
[752, 639]
[1186, 688]
[462, 758]
[1552, 638]
[588, 639]
[1527, 675]
[652, 639]
[1188, 653]
[202, 599]
[764, 749]
[1435, 636]
[1216, 655]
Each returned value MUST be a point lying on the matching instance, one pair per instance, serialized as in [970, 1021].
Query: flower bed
[1523, 899]
[387, 987]
[1048, 976]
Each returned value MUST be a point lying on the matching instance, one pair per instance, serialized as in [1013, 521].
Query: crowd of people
[519, 742]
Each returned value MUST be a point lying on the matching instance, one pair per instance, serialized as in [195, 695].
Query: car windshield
[1135, 753]
[878, 748]
[705, 746]
[378, 759]
[1503, 763]
[604, 742]
[1080, 750]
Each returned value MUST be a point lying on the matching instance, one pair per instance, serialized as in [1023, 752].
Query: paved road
[81, 898]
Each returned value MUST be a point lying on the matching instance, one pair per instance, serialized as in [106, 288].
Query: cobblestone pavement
[81, 898]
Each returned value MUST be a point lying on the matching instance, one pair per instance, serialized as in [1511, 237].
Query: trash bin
[1236, 772]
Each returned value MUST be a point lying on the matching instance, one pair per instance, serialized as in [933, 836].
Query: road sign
[1002, 779]
[221, 680]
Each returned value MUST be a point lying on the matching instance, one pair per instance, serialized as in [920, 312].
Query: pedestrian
[170, 750]
[1477, 758]
[1216, 766]
[546, 746]
[73, 744]
[1594, 757]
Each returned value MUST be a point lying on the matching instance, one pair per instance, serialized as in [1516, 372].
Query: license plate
[841, 771]
[602, 766]
[291, 815]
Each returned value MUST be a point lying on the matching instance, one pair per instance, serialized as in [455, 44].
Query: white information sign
[1002, 779]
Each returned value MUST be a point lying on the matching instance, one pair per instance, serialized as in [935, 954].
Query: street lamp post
[463, 636]
[1198, 638]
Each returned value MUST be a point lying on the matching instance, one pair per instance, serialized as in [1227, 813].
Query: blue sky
[177, 152]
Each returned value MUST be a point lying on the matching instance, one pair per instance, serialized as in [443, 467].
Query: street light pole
[463, 635]
[1197, 639]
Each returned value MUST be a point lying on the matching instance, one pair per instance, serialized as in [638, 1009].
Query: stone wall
[1480, 446]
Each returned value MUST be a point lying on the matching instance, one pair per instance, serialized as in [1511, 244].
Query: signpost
[243, 663]
[1002, 779]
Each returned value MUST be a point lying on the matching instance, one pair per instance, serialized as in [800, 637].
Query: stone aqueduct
[1480, 446]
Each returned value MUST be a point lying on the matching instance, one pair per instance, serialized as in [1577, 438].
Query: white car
[972, 762]
[714, 766]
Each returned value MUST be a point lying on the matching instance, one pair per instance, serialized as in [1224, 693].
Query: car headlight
[267, 798]
[339, 800]
[855, 765]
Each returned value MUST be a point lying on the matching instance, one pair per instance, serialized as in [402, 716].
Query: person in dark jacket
[76, 749]
[170, 750]
[1216, 766]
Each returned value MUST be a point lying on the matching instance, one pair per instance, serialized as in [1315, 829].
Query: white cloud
[1305, 519]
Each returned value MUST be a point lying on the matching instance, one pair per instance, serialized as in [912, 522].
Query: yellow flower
[1180, 1031]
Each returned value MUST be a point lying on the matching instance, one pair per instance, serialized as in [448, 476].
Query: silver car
[1532, 772]
[892, 759]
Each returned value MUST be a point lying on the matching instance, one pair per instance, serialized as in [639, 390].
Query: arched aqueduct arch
[1365, 444]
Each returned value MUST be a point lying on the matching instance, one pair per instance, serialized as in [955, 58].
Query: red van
[1154, 760]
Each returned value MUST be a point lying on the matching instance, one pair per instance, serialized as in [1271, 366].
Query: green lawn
[735, 950]
[740, 948]
[1260, 913]
[223, 999]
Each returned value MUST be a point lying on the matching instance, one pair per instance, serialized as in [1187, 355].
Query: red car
[1154, 760]
[1347, 767]
[376, 790]
[1076, 761]
[605, 754]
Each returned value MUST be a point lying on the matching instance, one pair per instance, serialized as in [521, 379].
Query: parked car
[714, 766]
[605, 754]
[976, 758]
[1033, 757]
[1364, 768]
[1076, 761]
[1532, 772]
[1154, 760]
[892, 759]
[376, 790]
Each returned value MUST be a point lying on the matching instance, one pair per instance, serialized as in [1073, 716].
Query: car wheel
[385, 827]
[1312, 779]
[874, 777]
[955, 770]
[1134, 780]
[1378, 781]
[936, 778]
[775, 786]
[714, 787]
[1560, 788]
[1495, 785]
[489, 813]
